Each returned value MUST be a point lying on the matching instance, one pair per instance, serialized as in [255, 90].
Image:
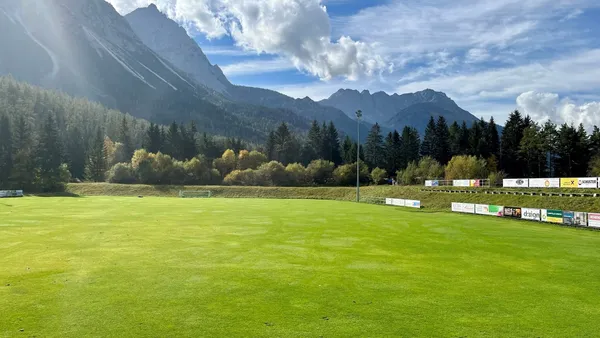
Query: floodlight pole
[358, 116]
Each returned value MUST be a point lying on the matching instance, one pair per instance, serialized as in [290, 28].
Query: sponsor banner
[11, 193]
[531, 214]
[468, 208]
[461, 183]
[512, 212]
[475, 183]
[457, 207]
[412, 204]
[588, 183]
[489, 210]
[568, 217]
[594, 220]
[435, 183]
[515, 183]
[398, 202]
[580, 219]
[569, 183]
[552, 216]
[544, 182]
[482, 209]
[429, 183]
[388, 201]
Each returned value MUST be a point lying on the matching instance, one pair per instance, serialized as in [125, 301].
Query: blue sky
[490, 56]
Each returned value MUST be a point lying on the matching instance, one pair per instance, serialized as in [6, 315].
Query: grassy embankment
[433, 201]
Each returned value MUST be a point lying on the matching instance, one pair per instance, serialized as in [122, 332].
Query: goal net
[195, 194]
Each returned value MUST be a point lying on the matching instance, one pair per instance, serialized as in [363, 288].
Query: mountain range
[145, 64]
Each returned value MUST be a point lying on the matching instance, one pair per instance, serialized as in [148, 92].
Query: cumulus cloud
[548, 106]
[297, 29]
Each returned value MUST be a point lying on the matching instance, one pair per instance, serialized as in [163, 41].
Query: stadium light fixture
[358, 117]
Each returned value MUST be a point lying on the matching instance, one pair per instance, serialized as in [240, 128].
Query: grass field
[167, 267]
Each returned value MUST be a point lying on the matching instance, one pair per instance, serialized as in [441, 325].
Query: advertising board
[429, 183]
[531, 214]
[512, 212]
[435, 183]
[489, 210]
[593, 220]
[388, 201]
[461, 183]
[412, 204]
[569, 183]
[11, 193]
[515, 183]
[580, 219]
[468, 208]
[568, 217]
[544, 182]
[398, 202]
[456, 207]
[587, 183]
[552, 216]
[475, 183]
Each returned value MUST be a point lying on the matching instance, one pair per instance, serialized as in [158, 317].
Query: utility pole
[358, 116]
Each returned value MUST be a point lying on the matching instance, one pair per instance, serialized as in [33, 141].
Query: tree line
[48, 139]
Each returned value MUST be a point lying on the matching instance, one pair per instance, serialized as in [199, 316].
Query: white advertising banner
[588, 183]
[456, 207]
[429, 183]
[482, 209]
[412, 204]
[515, 183]
[398, 202]
[544, 182]
[594, 220]
[461, 183]
[388, 201]
[531, 214]
[466, 208]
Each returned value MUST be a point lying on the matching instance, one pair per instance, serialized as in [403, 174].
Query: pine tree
[49, 157]
[475, 139]
[173, 142]
[454, 135]
[6, 151]
[410, 146]
[582, 152]
[333, 143]
[595, 142]
[429, 140]
[125, 138]
[532, 150]
[442, 149]
[24, 160]
[347, 155]
[374, 149]
[286, 148]
[550, 146]
[465, 146]
[76, 152]
[96, 160]
[314, 143]
[393, 145]
[510, 161]
[493, 139]
[153, 140]
[190, 147]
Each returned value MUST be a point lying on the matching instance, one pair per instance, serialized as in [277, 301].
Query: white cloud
[297, 29]
[257, 67]
[475, 55]
[547, 106]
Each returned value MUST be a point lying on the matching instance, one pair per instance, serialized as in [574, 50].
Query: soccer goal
[195, 194]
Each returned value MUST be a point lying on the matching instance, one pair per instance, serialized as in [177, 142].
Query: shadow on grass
[55, 194]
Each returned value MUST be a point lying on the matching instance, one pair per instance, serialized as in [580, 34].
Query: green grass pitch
[168, 267]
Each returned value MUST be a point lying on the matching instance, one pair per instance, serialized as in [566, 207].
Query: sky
[491, 56]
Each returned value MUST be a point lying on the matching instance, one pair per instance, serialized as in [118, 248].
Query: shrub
[226, 163]
[345, 175]
[379, 176]
[466, 167]
[246, 177]
[409, 176]
[121, 173]
[272, 174]
[320, 171]
[297, 175]
[496, 178]
[250, 160]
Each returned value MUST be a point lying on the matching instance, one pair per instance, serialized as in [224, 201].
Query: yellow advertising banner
[569, 183]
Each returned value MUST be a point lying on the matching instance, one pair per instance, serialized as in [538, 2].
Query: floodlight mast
[358, 117]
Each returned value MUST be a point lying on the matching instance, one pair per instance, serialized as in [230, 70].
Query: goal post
[195, 193]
